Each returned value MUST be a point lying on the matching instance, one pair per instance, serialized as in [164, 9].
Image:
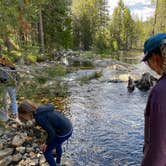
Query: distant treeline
[47, 25]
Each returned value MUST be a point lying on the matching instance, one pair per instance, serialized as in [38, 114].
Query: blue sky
[143, 8]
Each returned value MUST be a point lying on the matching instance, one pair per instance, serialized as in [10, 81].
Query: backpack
[6, 73]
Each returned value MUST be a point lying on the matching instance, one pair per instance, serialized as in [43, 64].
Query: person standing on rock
[8, 81]
[155, 113]
[58, 127]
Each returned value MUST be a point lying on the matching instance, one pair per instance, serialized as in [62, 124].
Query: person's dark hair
[27, 107]
[155, 51]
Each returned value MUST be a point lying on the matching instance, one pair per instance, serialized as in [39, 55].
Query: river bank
[107, 120]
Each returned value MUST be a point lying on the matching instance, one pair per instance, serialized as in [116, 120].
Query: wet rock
[6, 152]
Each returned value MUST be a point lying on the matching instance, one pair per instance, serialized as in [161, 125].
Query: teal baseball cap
[152, 43]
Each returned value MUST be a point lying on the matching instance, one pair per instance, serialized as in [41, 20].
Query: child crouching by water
[58, 127]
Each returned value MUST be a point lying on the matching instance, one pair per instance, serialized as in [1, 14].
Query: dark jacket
[155, 126]
[51, 120]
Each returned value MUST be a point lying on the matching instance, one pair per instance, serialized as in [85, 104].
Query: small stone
[18, 140]
[44, 164]
[38, 155]
[32, 154]
[35, 145]
[1, 145]
[21, 163]
[6, 161]
[25, 156]
[17, 157]
[29, 149]
[42, 160]
[20, 149]
[34, 162]
[6, 152]
[14, 126]
[29, 123]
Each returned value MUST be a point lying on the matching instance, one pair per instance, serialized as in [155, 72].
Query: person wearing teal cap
[155, 113]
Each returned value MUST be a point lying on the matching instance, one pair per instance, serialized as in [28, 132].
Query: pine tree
[160, 16]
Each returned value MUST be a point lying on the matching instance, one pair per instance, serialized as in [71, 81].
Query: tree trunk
[155, 18]
[40, 32]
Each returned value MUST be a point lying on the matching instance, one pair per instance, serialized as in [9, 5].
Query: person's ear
[156, 59]
[159, 60]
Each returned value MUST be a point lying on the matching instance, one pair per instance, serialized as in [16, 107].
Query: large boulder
[144, 83]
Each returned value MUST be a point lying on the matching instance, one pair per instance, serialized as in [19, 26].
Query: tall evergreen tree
[117, 23]
[89, 18]
[160, 17]
[57, 24]
[122, 26]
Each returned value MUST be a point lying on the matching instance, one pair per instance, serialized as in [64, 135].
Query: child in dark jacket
[58, 127]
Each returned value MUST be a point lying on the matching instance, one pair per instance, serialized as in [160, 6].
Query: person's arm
[45, 124]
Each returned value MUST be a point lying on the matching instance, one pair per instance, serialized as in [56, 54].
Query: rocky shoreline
[19, 145]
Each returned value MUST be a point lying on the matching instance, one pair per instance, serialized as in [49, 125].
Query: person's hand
[44, 146]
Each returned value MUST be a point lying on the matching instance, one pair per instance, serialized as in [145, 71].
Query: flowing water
[108, 122]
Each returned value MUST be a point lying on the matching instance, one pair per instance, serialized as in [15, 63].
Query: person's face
[25, 116]
[155, 63]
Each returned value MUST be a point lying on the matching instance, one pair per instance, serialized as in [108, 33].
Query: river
[108, 121]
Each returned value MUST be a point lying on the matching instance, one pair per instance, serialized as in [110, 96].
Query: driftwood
[144, 84]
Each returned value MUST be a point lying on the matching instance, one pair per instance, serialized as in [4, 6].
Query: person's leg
[5, 101]
[12, 94]
[48, 154]
[58, 153]
[60, 141]
[57, 144]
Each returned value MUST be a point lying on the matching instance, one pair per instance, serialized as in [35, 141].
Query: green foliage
[43, 83]
[160, 17]
[103, 42]
[115, 45]
[122, 26]
[57, 25]
[89, 18]
[76, 24]
[58, 70]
